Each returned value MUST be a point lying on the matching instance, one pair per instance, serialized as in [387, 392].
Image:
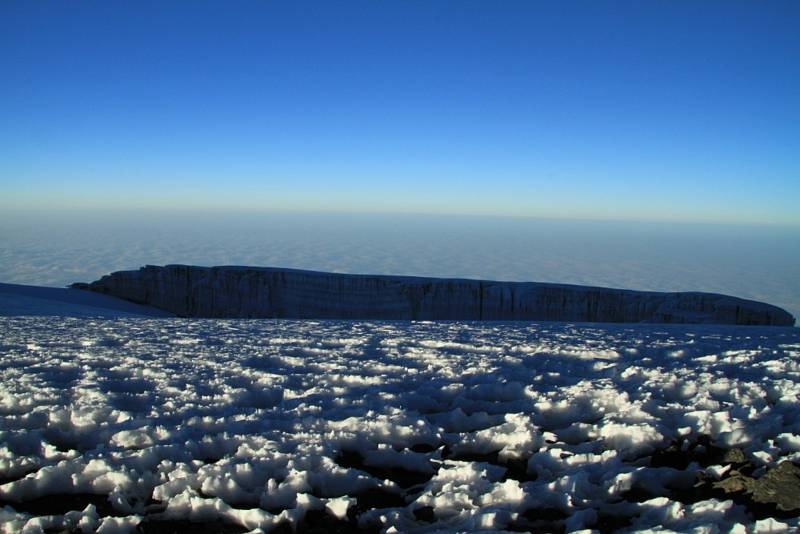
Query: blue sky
[676, 111]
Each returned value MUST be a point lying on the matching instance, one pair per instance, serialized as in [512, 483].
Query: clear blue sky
[621, 110]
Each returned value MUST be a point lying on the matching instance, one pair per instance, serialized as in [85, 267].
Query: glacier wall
[265, 292]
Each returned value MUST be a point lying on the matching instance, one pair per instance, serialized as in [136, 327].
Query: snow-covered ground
[108, 424]
[18, 299]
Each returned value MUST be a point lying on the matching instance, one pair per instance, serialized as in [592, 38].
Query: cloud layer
[747, 261]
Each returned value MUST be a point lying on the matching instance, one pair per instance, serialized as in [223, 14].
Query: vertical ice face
[286, 293]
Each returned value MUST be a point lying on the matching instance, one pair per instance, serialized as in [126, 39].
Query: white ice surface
[245, 421]
[33, 300]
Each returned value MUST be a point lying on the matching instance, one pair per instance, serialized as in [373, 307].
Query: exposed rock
[734, 456]
[735, 483]
[779, 486]
[287, 293]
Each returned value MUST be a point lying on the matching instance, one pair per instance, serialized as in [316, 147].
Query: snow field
[387, 426]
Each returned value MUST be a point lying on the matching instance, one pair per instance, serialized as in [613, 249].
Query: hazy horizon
[760, 262]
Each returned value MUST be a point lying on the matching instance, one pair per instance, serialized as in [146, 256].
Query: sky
[662, 111]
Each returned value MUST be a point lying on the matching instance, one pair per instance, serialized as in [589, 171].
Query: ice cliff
[287, 293]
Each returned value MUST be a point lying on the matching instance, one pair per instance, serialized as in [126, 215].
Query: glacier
[265, 292]
[22, 300]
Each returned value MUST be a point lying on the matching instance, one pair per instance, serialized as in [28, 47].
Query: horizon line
[253, 210]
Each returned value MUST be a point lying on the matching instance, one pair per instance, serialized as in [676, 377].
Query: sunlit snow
[392, 426]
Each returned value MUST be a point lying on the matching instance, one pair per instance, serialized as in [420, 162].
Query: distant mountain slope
[34, 300]
[288, 293]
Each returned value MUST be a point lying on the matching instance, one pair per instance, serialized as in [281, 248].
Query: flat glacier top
[118, 424]
[393, 277]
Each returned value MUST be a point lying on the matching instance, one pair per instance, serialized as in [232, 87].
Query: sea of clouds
[750, 261]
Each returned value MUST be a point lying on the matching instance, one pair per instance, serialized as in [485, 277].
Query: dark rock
[779, 487]
[734, 456]
[735, 483]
